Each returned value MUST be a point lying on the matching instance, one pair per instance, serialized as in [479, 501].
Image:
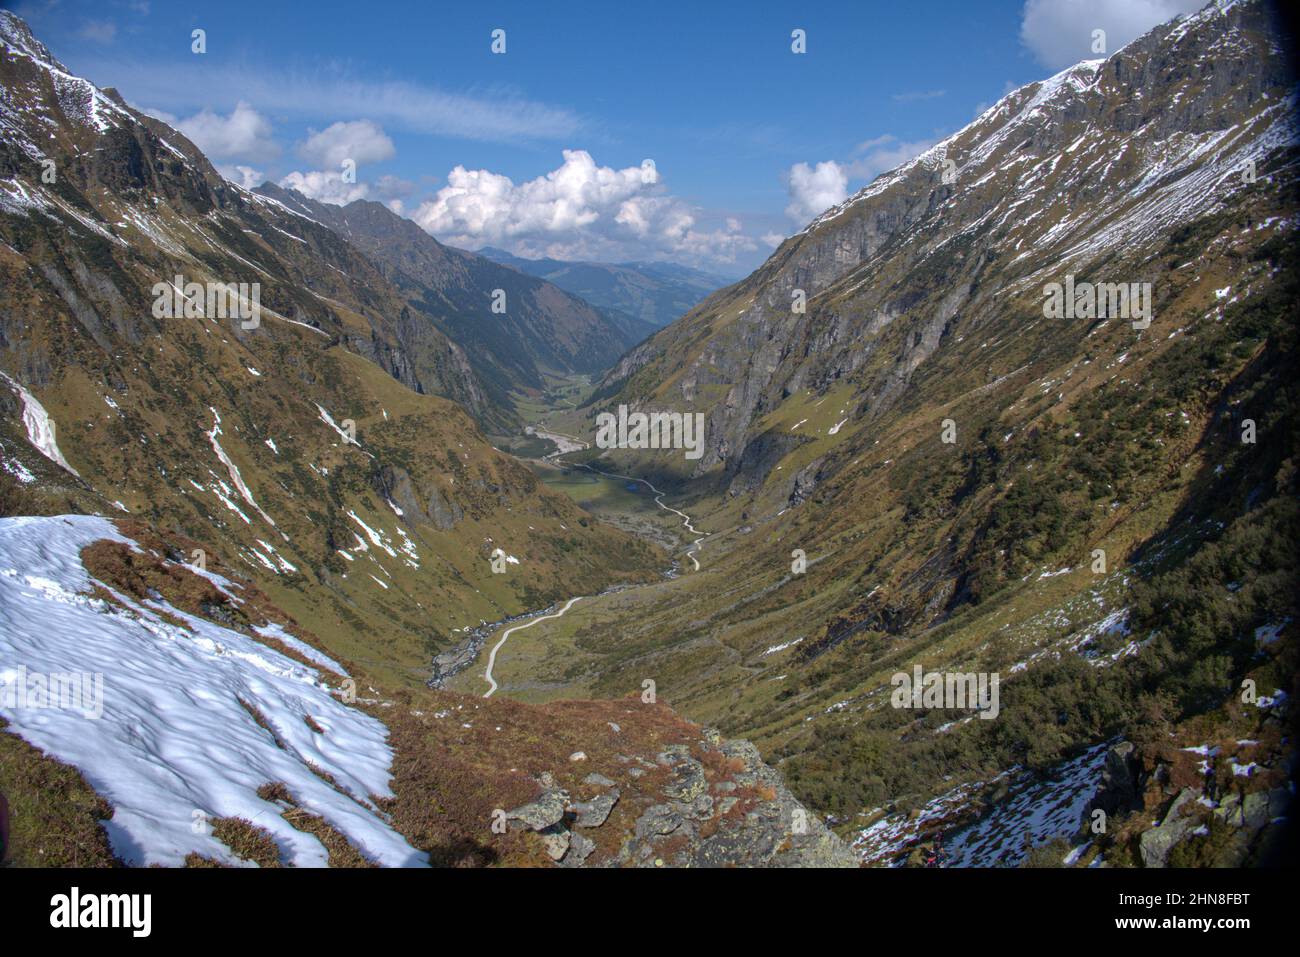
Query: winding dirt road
[691, 552]
[492, 657]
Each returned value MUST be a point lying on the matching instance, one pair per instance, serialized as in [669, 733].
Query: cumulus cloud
[579, 210]
[814, 189]
[1059, 32]
[360, 141]
[480, 203]
[327, 186]
[245, 176]
[243, 134]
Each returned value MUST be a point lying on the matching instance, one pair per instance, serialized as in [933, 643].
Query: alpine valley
[297, 552]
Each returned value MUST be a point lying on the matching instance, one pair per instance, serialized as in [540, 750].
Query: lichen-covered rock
[1263, 807]
[703, 801]
[580, 848]
[556, 841]
[658, 820]
[595, 812]
[688, 781]
[546, 811]
[1156, 843]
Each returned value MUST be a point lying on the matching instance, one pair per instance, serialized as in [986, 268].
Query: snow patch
[174, 738]
[40, 427]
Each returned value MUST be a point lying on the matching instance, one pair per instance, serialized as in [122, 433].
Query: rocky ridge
[708, 803]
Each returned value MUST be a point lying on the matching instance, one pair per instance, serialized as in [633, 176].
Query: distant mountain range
[645, 297]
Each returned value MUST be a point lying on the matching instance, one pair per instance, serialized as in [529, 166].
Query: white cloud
[487, 204]
[814, 189]
[1059, 32]
[98, 31]
[327, 186]
[492, 115]
[913, 96]
[243, 134]
[360, 141]
[245, 176]
[578, 211]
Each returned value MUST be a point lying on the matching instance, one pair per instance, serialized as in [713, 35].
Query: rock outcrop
[709, 803]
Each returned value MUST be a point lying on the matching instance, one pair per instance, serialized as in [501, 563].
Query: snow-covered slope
[1036, 810]
[177, 741]
[39, 425]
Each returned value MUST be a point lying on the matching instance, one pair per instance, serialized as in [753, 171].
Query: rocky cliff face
[1085, 173]
[704, 803]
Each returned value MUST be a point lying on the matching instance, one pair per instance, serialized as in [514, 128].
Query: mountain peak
[17, 35]
[1214, 24]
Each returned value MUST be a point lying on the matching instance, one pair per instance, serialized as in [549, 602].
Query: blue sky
[542, 149]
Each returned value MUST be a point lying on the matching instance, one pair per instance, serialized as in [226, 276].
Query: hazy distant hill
[646, 296]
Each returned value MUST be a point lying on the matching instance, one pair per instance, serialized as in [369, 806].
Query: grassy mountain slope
[925, 318]
[544, 330]
[237, 437]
